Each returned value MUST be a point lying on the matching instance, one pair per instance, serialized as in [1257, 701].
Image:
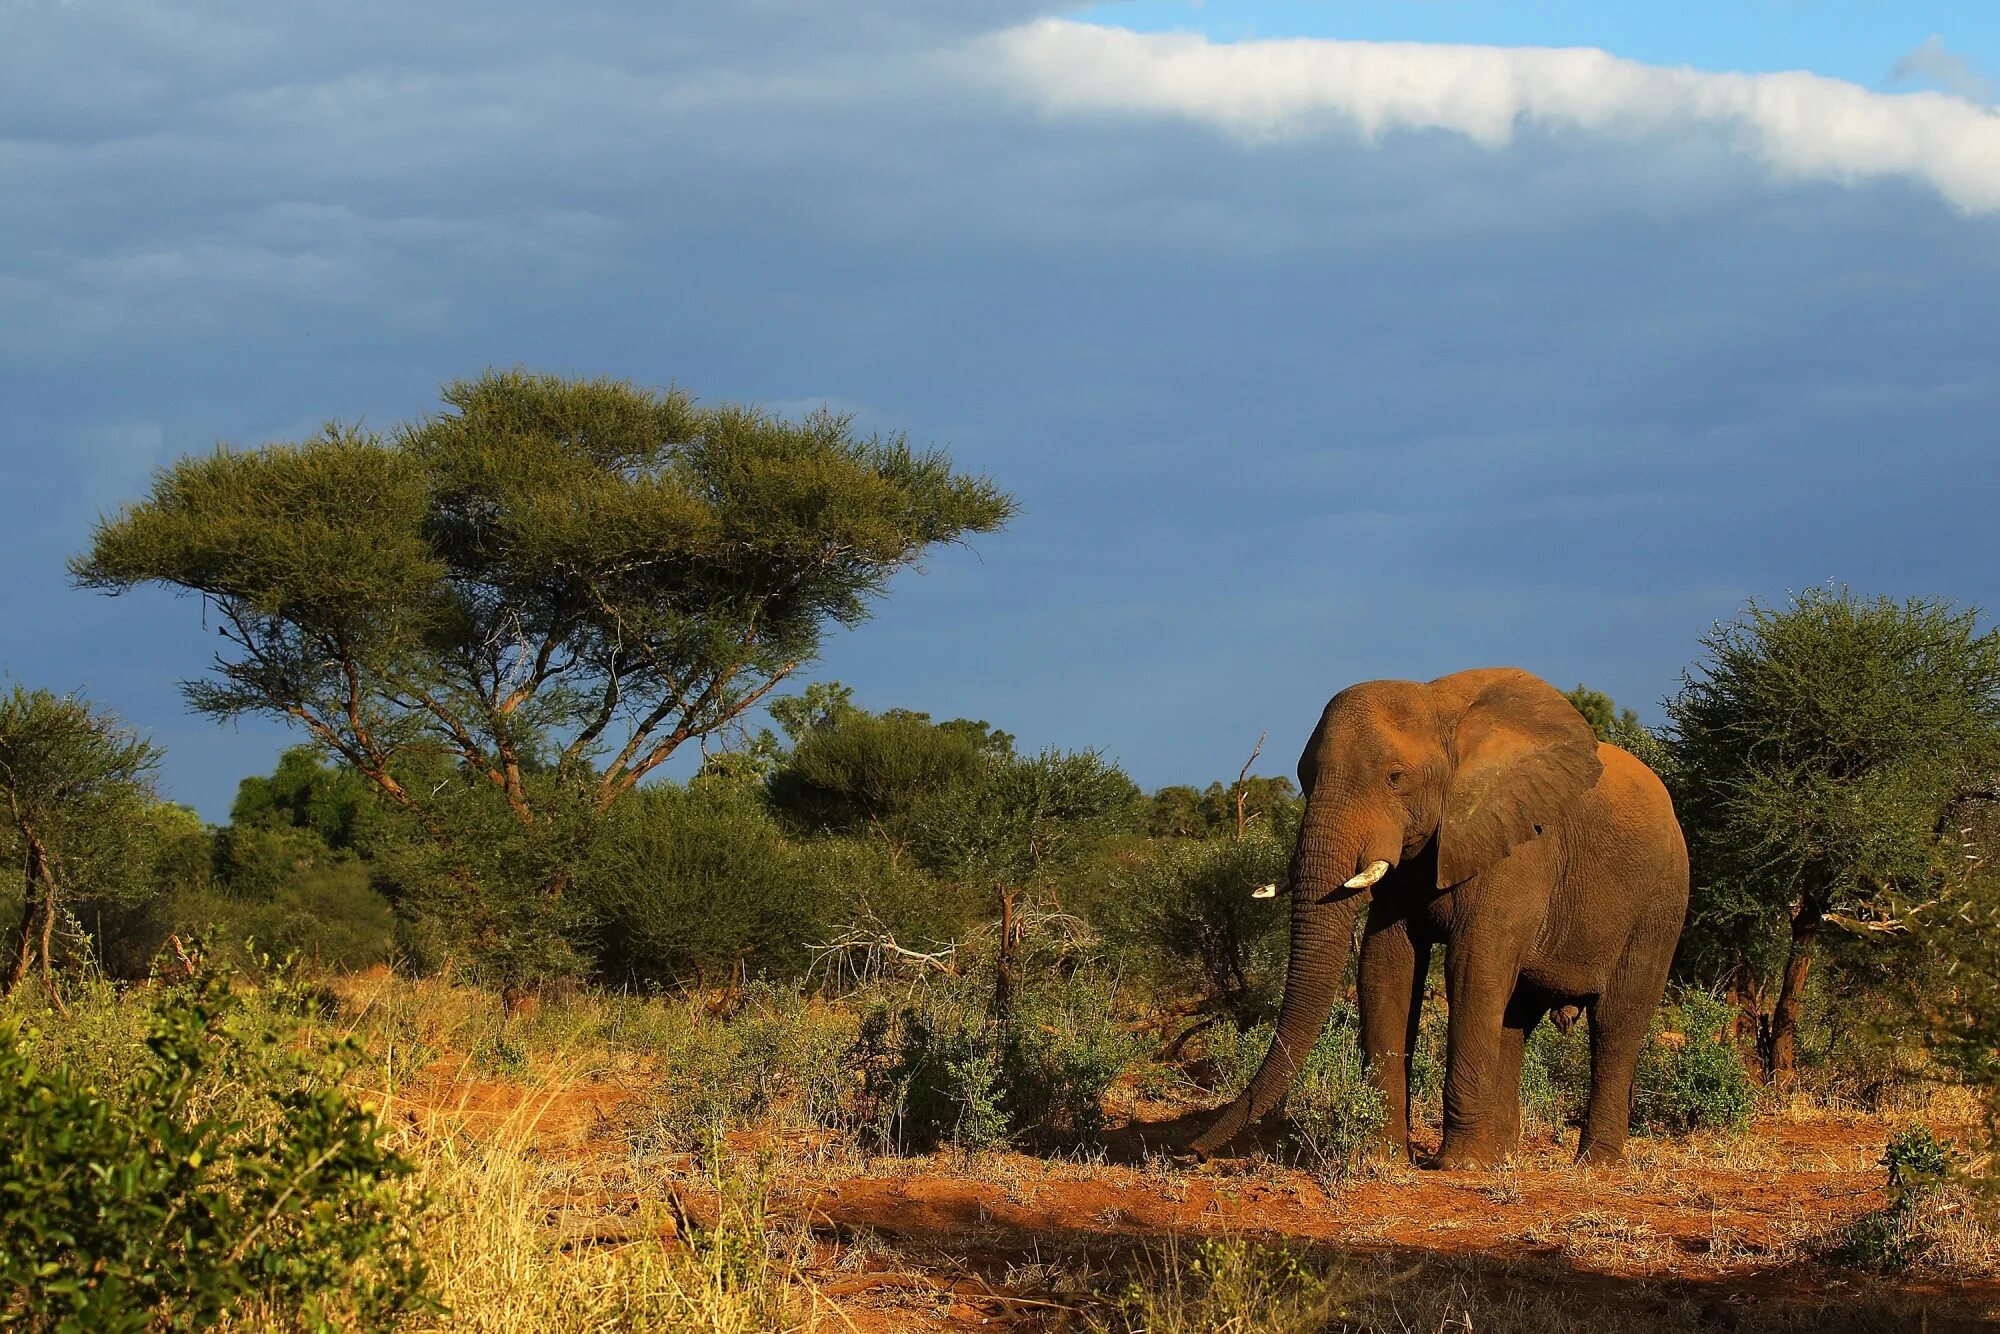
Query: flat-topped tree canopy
[549, 577]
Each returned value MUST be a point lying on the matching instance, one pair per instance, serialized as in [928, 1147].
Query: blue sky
[1857, 40]
[1309, 362]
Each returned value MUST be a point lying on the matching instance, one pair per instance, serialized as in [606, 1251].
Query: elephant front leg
[1390, 984]
[1482, 1062]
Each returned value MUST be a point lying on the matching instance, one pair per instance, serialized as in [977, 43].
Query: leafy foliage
[1818, 752]
[337, 805]
[955, 1066]
[75, 801]
[685, 881]
[1919, 1167]
[1555, 1074]
[1189, 906]
[867, 771]
[144, 1206]
[1691, 1075]
[1270, 805]
[1027, 821]
[544, 590]
[959, 1077]
[777, 1054]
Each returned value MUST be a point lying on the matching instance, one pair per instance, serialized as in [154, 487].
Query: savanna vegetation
[470, 1019]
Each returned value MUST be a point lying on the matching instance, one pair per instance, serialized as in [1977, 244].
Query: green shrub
[1555, 1074]
[686, 881]
[1690, 1075]
[945, 1083]
[1188, 908]
[867, 771]
[945, 1071]
[862, 881]
[1920, 1168]
[1334, 1116]
[223, 1169]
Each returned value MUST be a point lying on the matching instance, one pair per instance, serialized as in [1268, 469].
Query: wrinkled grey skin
[1549, 866]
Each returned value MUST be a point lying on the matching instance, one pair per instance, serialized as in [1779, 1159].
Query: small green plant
[224, 1170]
[1555, 1074]
[1232, 1283]
[1691, 1076]
[1920, 1166]
[1917, 1161]
[1189, 908]
[946, 1083]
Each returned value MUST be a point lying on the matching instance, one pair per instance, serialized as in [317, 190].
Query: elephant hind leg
[1619, 1018]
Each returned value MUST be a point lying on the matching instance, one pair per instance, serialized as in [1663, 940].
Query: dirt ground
[1732, 1226]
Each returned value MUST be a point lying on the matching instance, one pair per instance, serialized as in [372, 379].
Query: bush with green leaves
[865, 884]
[1269, 805]
[223, 1170]
[1028, 821]
[1920, 1168]
[685, 881]
[1555, 1074]
[1333, 1115]
[948, 1069]
[1691, 1074]
[867, 772]
[1188, 910]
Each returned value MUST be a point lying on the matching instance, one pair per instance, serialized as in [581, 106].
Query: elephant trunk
[1323, 913]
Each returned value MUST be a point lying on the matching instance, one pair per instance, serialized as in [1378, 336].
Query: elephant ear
[1523, 755]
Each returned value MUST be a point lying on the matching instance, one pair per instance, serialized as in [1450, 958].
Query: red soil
[1734, 1233]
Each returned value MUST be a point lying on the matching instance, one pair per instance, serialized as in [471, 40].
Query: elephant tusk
[1269, 891]
[1375, 871]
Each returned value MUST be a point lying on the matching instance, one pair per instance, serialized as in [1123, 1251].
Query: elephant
[1478, 811]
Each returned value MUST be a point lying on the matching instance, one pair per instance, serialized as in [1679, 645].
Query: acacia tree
[543, 591]
[1818, 752]
[75, 790]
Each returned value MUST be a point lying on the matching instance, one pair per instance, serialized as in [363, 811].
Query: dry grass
[505, 1259]
[506, 1255]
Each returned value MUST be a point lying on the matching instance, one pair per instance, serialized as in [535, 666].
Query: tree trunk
[1752, 1027]
[17, 968]
[48, 950]
[1003, 973]
[1785, 1016]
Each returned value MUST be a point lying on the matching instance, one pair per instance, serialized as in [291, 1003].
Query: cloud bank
[1800, 125]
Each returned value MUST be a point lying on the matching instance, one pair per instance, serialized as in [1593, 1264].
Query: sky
[1319, 341]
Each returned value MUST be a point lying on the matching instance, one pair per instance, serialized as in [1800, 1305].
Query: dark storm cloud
[1283, 415]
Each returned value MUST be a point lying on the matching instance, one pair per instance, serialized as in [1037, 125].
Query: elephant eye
[1396, 777]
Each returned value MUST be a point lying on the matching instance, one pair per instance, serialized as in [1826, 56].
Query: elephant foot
[1468, 1158]
[1600, 1155]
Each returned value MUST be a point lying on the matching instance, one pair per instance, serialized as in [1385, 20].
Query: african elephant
[1478, 811]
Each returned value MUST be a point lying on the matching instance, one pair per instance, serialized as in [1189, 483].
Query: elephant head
[1465, 767]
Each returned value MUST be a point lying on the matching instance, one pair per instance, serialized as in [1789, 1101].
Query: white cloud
[1798, 124]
